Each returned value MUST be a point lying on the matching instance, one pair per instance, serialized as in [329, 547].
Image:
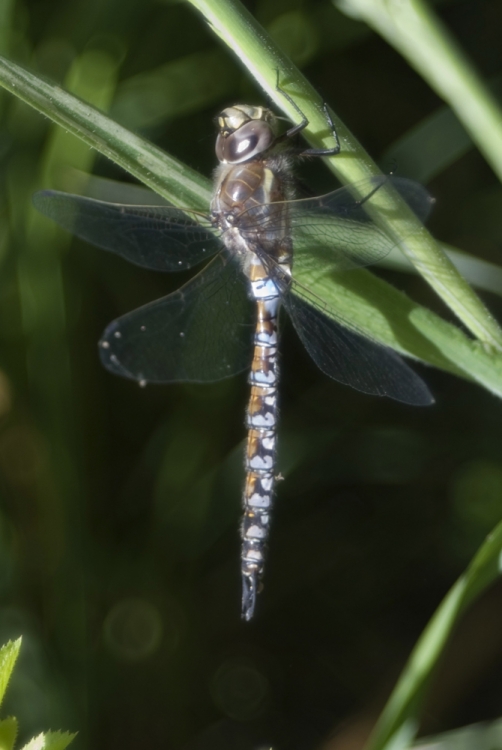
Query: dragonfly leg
[303, 124]
[361, 201]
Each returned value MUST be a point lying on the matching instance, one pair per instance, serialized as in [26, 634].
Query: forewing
[200, 333]
[335, 232]
[351, 358]
[162, 238]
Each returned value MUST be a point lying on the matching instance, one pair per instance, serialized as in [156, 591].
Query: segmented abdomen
[261, 422]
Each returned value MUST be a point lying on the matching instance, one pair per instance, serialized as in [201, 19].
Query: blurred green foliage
[120, 506]
[9, 727]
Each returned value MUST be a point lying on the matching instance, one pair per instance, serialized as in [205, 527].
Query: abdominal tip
[248, 595]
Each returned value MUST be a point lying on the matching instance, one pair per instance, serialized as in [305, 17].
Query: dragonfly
[260, 241]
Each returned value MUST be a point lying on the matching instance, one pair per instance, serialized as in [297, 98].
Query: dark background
[119, 506]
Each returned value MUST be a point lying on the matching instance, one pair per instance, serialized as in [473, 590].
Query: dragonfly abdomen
[260, 460]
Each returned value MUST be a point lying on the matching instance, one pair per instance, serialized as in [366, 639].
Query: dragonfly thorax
[246, 132]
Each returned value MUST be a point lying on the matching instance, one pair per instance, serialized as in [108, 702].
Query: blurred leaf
[480, 273]
[418, 34]
[476, 493]
[430, 147]
[8, 657]
[8, 727]
[400, 718]
[8, 733]
[162, 173]
[335, 30]
[475, 737]
[50, 741]
[174, 89]
[482, 215]
[57, 480]
[297, 35]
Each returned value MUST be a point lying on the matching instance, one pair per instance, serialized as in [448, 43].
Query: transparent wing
[162, 238]
[350, 357]
[335, 231]
[201, 333]
[112, 191]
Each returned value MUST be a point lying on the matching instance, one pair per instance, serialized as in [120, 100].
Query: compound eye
[243, 145]
[249, 141]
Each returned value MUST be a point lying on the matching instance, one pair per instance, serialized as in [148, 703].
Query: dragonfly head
[245, 133]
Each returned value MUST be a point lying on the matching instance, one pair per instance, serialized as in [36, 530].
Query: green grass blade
[418, 34]
[399, 720]
[183, 186]
[240, 31]
[478, 272]
[390, 317]
[152, 166]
